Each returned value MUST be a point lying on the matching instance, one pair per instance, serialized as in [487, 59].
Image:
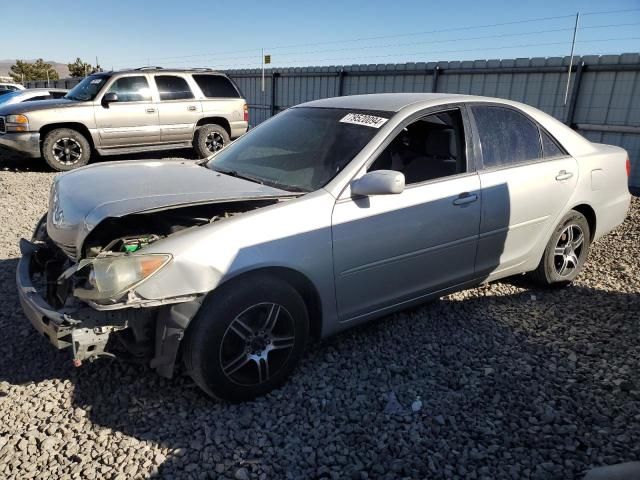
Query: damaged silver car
[325, 216]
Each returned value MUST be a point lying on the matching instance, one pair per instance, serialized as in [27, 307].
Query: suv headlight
[110, 277]
[16, 123]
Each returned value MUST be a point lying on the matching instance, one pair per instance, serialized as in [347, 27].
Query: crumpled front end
[68, 322]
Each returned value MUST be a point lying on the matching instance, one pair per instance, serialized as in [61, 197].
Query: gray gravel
[502, 381]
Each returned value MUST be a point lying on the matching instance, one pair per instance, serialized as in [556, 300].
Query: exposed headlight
[16, 123]
[111, 277]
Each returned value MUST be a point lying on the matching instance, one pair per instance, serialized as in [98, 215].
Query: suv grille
[2, 126]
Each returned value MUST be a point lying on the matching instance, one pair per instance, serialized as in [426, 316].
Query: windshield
[301, 149]
[88, 88]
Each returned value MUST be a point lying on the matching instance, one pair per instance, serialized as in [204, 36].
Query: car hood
[83, 198]
[25, 107]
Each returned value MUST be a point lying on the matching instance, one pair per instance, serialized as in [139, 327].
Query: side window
[430, 148]
[39, 97]
[550, 147]
[506, 136]
[131, 89]
[171, 87]
[57, 94]
[216, 86]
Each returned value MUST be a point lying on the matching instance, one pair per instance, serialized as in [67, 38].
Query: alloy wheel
[214, 142]
[568, 249]
[257, 344]
[67, 151]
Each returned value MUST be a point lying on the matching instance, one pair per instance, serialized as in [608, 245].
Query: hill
[61, 68]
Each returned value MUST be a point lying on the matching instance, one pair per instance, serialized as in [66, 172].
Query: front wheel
[246, 338]
[65, 149]
[208, 139]
[566, 252]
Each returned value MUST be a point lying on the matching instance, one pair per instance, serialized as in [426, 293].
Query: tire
[208, 139]
[561, 263]
[229, 349]
[65, 149]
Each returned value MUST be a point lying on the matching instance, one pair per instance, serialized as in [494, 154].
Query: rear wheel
[208, 139]
[566, 251]
[246, 338]
[65, 149]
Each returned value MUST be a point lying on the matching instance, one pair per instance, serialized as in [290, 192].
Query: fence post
[341, 82]
[574, 94]
[274, 75]
[434, 79]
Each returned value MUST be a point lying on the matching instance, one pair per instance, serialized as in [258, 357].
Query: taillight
[628, 167]
[245, 107]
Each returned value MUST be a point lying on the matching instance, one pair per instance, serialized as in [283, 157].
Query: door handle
[563, 175]
[191, 108]
[465, 198]
[151, 110]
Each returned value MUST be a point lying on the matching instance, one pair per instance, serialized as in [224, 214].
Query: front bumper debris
[85, 330]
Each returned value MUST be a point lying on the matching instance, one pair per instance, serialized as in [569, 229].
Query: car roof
[394, 102]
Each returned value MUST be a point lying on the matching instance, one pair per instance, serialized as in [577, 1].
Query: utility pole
[573, 46]
[47, 78]
[262, 62]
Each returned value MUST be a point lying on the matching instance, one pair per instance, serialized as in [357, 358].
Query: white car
[11, 86]
[31, 95]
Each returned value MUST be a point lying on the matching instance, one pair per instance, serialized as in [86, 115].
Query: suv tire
[65, 149]
[247, 338]
[566, 252]
[208, 139]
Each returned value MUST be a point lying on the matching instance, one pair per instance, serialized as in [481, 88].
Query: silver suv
[138, 110]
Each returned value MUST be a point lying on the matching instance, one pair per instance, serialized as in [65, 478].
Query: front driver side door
[133, 119]
[390, 249]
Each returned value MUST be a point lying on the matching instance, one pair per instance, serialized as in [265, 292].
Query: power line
[460, 39]
[445, 51]
[353, 40]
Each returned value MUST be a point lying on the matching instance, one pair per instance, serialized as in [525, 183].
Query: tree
[82, 69]
[38, 70]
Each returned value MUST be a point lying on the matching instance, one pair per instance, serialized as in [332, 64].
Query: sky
[231, 35]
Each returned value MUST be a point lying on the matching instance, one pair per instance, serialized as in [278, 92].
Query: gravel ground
[502, 381]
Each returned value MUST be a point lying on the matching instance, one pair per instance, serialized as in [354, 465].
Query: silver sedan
[330, 214]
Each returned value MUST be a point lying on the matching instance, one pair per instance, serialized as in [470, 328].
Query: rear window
[172, 88]
[216, 86]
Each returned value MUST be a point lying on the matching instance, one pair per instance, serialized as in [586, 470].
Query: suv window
[39, 97]
[216, 86]
[506, 136]
[429, 148]
[131, 89]
[173, 88]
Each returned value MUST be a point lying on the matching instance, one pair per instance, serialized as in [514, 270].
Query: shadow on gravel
[511, 386]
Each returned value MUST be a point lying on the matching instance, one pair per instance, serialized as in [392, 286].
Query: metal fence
[603, 103]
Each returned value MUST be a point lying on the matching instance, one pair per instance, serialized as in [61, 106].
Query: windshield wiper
[234, 173]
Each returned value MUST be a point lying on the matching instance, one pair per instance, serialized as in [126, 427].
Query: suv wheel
[208, 139]
[65, 149]
[566, 252]
[247, 338]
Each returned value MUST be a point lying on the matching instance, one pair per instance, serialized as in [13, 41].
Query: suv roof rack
[149, 68]
[201, 69]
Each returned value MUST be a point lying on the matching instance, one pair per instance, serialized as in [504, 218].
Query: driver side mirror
[378, 182]
[108, 98]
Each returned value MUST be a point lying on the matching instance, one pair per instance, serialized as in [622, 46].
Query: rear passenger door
[525, 187]
[178, 109]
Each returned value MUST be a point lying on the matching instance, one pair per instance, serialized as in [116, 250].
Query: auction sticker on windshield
[363, 119]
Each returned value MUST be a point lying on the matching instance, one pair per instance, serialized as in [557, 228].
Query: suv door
[130, 121]
[538, 181]
[389, 249]
[178, 109]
